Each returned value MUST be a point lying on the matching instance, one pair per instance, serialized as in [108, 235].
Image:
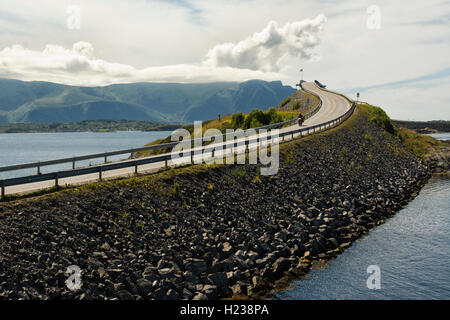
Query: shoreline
[189, 234]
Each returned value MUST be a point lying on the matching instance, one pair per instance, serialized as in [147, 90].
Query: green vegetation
[296, 105]
[381, 119]
[352, 165]
[139, 224]
[239, 172]
[176, 189]
[88, 125]
[238, 120]
[420, 145]
[258, 118]
[284, 102]
[45, 102]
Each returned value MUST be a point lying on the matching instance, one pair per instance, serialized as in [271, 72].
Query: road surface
[333, 106]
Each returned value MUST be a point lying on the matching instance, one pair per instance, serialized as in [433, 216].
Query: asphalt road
[333, 105]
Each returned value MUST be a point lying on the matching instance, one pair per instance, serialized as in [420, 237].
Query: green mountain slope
[162, 102]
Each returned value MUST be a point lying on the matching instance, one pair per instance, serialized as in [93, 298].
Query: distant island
[88, 126]
[425, 127]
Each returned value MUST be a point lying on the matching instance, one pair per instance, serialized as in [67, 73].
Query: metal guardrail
[161, 158]
[105, 155]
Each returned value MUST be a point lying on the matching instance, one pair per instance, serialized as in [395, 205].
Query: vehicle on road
[319, 84]
[300, 119]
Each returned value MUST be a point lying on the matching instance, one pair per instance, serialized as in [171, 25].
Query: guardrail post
[56, 180]
[100, 171]
[166, 162]
[39, 169]
[135, 168]
[106, 159]
[2, 184]
[73, 164]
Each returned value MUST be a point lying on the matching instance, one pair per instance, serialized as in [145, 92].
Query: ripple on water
[412, 250]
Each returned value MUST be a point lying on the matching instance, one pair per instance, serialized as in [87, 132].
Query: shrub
[176, 188]
[285, 102]
[296, 105]
[255, 117]
[380, 118]
[239, 173]
[237, 120]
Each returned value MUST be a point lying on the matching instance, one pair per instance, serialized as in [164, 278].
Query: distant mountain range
[38, 101]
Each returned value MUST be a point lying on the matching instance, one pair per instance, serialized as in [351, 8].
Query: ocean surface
[441, 136]
[412, 251]
[18, 148]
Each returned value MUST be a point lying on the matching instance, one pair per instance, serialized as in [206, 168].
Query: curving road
[333, 106]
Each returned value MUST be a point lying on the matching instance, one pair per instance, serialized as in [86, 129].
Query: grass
[420, 145]
[239, 172]
[380, 118]
[284, 102]
[226, 122]
[296, 105]
[176, 189]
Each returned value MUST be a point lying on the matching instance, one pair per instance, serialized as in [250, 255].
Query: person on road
[300, 118]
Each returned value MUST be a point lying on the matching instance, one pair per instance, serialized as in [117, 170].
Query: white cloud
[79, 66]
[264, 49]
[256, 57]
[130, 36]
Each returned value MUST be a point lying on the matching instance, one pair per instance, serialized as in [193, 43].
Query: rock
[210, 291]
[261, 263]
[172, 295]
[99, 254]
[144, 286]
[190, 277]
[124, 295]
[281, 236]
[252, 255]
[161, 264]
[196, 266]
[158, 294]
[105, 246]
[345, 245]
[204, 237]
[165, 272]
[227, 248]
[222, 265]
[265, 247]
[220, 279]
[281, 265]
[332, 243]
[200, 296]
[256, 281]
[239, 288]
[267, 273]
[187, 295]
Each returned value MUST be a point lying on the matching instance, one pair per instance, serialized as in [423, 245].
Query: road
[333, 105]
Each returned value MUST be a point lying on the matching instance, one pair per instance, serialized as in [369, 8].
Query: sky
[394, 53]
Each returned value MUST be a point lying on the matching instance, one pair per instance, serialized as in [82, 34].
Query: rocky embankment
[209, 232]
[425, 127]
[440, 159]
